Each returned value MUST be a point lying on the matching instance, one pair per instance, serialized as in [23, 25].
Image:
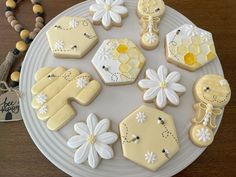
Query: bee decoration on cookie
[212, 93]
[150, 13]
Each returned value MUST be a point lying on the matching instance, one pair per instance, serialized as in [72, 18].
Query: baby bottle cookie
[212, 93]
[150, 12]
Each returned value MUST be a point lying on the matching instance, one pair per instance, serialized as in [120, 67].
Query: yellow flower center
[107, 7]
[91, 139]
[122, 48]
[163, 84]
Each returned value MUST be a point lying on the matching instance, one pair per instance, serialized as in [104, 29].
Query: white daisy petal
[172, 96]
[117, 2]
[146, 83]
[151, 93]
[93, 158]
[81, 155]
[161, 99]
[173, 77]
[104, 150]
[102, 2]
[92, 122]
[96, 7]
[81, 128]
[115, 17]
[106, 19]
[177, 87]
[107, 138]
[76, 141]
[98, 15]
[120, 10]
[109, 2]
[152, 75]
[162, 72]
[102, 127]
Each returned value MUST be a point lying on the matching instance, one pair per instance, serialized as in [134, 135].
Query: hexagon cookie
[148, 137]
[190, 47]
[71, 37]
[118, 61]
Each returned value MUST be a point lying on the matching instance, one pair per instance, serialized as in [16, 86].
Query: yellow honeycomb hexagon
[148, 137]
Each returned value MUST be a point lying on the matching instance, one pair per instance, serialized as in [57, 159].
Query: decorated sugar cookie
[93, 141]
[161, 87]
[148, 137]
[72, 37]
[55, 88]
[118, 61]
[190, 47]
[212, 93]
[150, 13]
[108, 13]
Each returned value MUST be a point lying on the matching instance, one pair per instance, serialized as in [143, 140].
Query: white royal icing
[150, 157]
[59, 45]
[223, 82]
[203, 134]
[151, 38]
[73, 23]
[41, 98]
[108, 11]
[162, 86]
[93, 141]
[140, 117]
[43, 110]
[82, 82]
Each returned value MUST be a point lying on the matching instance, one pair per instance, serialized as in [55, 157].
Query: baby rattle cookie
[93, 141]
[108, 13]
[162, 87]
[148, 137]
[55, 88]
[72, 37]
[150, 13]
[118, 61]
[212, 93]
[190, 47]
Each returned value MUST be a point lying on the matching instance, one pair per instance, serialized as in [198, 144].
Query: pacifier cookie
[118, 61]
[148, 137]
[55, 88]
[212, 93]
[93, 141]
[161, 87]
[150, 13]
[72, 37]
[108, 13]
[190, 47]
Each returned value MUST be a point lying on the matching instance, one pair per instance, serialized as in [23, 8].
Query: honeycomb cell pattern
[118, 61]
[190, 47]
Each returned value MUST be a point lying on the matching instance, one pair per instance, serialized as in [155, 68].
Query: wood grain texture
[20, 157]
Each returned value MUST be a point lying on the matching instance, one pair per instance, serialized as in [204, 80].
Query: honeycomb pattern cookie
[53, 90]
[190, 47]
[118, 61]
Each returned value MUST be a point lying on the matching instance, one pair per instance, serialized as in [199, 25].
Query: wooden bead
[39, 19]
[14, 23]
[32, 35]
[9, 19]
[15, 76]
[21, 46]
[24, 34]
[36, 30]
[18, 27]
[11, 4]
[39, 25]
[37, 9]
[8, 13]
[35, 1]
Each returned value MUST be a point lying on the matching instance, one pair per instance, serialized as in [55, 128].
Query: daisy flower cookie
[93, 141]
[108, 12]
[162, 87]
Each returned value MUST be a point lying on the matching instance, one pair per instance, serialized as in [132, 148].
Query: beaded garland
[25, 35]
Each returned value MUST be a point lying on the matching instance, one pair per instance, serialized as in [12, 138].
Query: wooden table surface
[20, 157]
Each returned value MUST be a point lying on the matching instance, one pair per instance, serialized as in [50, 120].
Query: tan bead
[39, 19]
[24, 34]
[15, 76]
[8, 13]
[18, 27]
[11, 4]
[37, 9]
[39, 25]
[9, 19]
[21, 46]
[14, 23]
[33, 35]
[37, 30]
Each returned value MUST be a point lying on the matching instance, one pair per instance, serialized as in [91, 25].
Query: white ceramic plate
[114, 102]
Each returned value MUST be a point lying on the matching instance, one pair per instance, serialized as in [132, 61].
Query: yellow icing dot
[122, 48]
[91, 139]
[190, 59]
[196, 40]
[210, 56]
[125, 68]
[163, 84]
[124, 58]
